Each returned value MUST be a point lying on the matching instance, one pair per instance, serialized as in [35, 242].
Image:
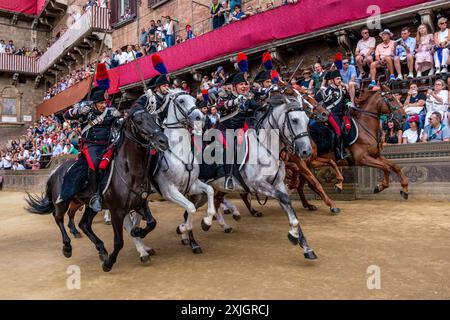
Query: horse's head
[389, 103]
[309, 104]
[380, 101]
[184, 112]
[144, 129]
[292, 122]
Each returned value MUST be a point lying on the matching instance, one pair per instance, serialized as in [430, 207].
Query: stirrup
[229, 185]
[96, 203]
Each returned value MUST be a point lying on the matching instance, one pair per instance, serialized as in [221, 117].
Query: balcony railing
[15, 63]
[95, 19]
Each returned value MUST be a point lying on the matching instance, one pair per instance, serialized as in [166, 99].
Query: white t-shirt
[433, 105]
[18, 167]
[122, 57]
[442, 35]
[2, 48]
[131, 56]
[410, 135]
[364, 45]
[169, 28]
[6, 162]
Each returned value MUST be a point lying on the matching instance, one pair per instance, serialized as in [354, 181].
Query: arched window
[10, 104]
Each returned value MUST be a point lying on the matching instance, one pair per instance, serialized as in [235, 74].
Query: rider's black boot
[339, 152]
[96, 201]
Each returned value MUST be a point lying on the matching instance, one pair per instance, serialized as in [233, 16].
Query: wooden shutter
[114, 5]
[133, 7]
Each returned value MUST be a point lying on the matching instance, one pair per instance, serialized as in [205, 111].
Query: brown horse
[299, 171]
[366, 151]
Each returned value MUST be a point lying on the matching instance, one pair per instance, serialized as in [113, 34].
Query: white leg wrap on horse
[128, 225]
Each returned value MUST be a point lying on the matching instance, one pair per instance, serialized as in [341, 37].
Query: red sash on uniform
[85, 151]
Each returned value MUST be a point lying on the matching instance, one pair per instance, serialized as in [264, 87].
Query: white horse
[177, 173]
[287, 117]
[227, 205]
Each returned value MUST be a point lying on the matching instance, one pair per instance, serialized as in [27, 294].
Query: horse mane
[176, 90]
[364, 96]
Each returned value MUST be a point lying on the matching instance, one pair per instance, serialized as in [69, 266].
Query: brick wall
[29, 180]
[177, 9]
[29, 99]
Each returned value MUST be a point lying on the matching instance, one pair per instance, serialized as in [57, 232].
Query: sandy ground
[408, 241]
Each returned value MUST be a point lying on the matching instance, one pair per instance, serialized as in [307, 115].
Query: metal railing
[15, 63]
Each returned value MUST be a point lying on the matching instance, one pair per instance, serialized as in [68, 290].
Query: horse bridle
[183, 122]
[290, 144]
[310, 108]
[392, 108]
[386, 100]
[133, 136]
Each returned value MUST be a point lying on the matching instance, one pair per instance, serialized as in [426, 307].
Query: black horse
[127, 189]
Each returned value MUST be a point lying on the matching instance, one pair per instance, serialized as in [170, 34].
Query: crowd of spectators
[163, 34]
[10, 48]
[411, 59]
[418, 60]
[48, 137]
[69, 80]
[228, 11]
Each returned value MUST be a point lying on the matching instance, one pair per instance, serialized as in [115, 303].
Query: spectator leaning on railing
[2, 46]
[237, 14]
[436, 131]
[412, 135]
[438, 100]
[216, 14]
[415, 103]
[392, 134]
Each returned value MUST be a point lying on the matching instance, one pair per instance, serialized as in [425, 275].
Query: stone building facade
[18, 95]
[24, 80]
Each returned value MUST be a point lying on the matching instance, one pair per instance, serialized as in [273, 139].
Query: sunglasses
[365, 32]
[443, 23]
[345, 62]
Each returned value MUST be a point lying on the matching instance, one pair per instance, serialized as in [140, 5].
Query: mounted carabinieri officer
[264, 80]
[96, 117]
[237, 109]
[158, 88]
[337, 101]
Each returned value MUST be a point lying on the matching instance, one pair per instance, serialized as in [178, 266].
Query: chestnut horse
[366, 151]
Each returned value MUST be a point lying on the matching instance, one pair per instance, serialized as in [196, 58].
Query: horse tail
[42, 204]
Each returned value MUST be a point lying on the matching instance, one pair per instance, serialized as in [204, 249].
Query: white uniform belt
[95, 122]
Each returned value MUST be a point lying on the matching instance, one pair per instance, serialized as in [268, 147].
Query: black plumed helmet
[263, 76]
[97, 95]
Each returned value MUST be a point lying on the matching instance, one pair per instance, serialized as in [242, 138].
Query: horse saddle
[76, 179]
[324, 137]
[350, 136]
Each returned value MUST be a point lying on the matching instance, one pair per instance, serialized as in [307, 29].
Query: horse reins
[180, 124]
[146, 146]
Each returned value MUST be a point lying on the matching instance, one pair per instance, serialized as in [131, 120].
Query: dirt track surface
[409, 241]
